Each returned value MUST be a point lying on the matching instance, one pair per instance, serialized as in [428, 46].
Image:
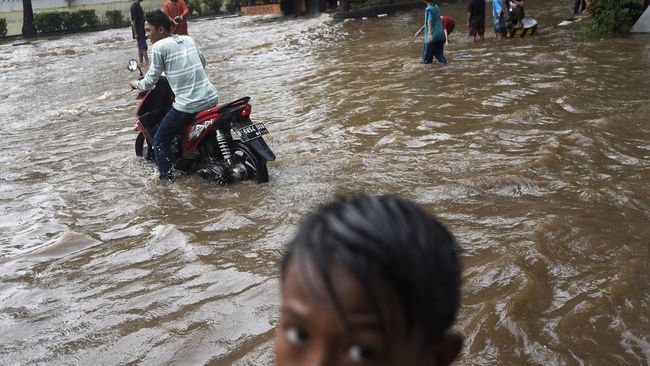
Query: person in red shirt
[447, 26]
[177, 12]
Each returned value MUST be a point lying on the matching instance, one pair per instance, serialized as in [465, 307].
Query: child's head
[369, 280]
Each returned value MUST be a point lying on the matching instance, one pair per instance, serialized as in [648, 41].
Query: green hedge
[214, 6]
[3, 27]
[71, 21]
[114, 18]
[232, 5]
[49, 21]
[613, 17]
[89, 17]
[194, 6]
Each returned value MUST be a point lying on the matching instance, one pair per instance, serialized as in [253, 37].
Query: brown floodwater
[534, 152]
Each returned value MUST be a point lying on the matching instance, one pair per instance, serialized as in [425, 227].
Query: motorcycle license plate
[252, 132]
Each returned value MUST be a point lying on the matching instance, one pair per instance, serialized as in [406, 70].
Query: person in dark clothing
[515, 13]
[476, 18]
[137, 27]
[579, 6]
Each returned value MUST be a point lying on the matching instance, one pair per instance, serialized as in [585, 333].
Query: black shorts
[478, 28]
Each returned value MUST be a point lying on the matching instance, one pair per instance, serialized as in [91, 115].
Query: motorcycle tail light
[246, 111]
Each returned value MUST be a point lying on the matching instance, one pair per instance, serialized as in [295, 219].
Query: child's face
[311, 331]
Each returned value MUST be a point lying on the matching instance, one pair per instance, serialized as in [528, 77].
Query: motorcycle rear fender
[260, 147]
[258, 144]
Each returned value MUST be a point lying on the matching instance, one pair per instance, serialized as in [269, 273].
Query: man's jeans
[435, 48]
[174, 123]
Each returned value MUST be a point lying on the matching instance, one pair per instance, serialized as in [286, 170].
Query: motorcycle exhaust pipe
[215, 173]
[222, 175]
[238, 173]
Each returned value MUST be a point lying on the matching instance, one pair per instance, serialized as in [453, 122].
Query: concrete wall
[12, 10]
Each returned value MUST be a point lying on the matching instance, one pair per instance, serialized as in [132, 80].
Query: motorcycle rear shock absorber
[224, 146]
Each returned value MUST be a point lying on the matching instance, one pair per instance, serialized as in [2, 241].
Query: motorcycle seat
[222, 108]
[205, 113]
[237, 103]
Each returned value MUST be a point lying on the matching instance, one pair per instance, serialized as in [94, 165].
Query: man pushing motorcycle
[184, 66]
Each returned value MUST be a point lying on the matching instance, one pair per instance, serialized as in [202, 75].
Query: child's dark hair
[158, 19]
[394, 249]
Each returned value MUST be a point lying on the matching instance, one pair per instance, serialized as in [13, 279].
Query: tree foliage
[614, 17]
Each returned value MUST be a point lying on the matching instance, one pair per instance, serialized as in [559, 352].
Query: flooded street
[534, 152]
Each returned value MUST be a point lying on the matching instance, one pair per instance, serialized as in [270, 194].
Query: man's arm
[152, 76]
[186, 10]
[430, 30]
[166, 9]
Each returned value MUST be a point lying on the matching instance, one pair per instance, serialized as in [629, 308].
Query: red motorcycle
[208, 147]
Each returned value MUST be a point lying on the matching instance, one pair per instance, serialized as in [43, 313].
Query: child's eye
[359, 354]
[296, 335]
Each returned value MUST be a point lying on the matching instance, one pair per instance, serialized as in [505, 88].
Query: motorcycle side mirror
[132, 65]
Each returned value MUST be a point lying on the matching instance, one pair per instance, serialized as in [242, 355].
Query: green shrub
[89, 17]
[214, 6]
[114, 17]
[612, 17]
[56, 21]
[232, 5]
[49, 21]
[72, 21]
[194, 5]
[3, 27]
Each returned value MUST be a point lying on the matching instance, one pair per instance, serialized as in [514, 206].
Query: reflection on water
[534, 152]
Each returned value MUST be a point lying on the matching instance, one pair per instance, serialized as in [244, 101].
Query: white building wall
[12, 10]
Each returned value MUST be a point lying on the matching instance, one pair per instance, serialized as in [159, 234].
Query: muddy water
[534, 152]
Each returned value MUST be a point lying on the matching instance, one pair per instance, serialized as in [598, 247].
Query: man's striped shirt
[183, 64]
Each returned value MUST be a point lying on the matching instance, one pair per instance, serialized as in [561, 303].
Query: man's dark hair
[158, 19]
[395, 250]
